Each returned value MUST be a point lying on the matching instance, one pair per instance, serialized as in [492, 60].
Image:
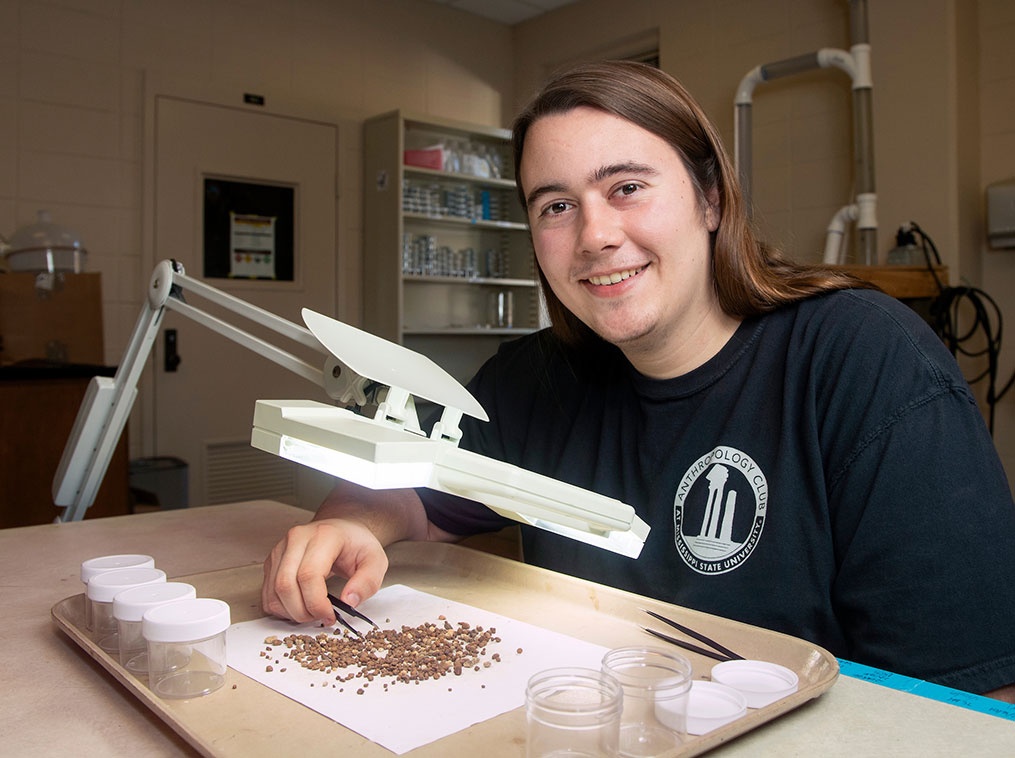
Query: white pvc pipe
[836, 231]
[830, 57]
[867, 217]
[856, 63]
[861, 75]
[745, 90]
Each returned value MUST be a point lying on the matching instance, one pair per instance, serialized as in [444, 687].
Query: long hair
[749, 276]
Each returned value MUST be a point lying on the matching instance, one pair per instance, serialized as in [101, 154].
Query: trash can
[159, 481]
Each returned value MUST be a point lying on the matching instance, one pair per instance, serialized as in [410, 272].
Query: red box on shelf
[429, 158]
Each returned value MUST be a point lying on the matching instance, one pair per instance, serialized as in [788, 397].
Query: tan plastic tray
[254, 720]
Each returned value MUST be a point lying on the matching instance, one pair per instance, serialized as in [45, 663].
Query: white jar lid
[711, 705]
[94, 566]
[131, 604]
[761, 682]
[186, 620]
[107, 585]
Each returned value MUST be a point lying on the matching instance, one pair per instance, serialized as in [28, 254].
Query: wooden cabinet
[38, 410]
[902, 282]
[448, 265]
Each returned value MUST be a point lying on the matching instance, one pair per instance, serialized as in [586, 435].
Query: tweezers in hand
[718, 652]
[344, 607]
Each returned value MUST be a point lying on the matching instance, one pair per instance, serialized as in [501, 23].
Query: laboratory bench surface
[57, 701]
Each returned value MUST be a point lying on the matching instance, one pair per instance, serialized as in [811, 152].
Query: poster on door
[251, 246]
[249, 230]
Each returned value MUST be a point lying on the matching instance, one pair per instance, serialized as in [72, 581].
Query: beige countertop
[55, 700]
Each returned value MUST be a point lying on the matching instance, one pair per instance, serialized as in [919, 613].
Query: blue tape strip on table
[930, 690]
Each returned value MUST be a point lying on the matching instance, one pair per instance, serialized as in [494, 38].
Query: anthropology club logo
[719, 511]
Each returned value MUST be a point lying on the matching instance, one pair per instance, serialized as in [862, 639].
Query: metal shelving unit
[445, 251]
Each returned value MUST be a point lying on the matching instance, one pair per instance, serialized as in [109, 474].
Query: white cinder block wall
[71, 101]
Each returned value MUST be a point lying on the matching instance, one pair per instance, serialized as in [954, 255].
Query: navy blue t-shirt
[827, 474]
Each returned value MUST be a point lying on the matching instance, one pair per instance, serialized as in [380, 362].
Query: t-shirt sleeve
[459, 515]
[452, 513]
[924, 531]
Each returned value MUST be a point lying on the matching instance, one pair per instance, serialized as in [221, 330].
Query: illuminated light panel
[378, 455]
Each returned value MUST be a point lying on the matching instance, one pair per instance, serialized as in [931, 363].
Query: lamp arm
[265, 349]
[100, 422]
[241, 307]
[104, 411]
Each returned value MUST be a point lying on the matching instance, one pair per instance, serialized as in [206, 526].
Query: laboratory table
[58, 701]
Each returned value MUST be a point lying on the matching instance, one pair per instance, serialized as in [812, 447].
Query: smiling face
[622, 239]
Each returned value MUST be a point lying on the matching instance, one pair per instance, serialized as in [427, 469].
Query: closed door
[202, 410]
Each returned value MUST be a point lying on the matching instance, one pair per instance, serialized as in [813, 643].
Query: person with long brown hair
[750, 277]
[804, 448]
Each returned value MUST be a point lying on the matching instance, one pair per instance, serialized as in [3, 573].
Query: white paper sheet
[405, 716]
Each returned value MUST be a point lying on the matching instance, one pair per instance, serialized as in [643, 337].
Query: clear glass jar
[95, 566]
[655, 680]
[572, 712]
[101, 591]
[45, 246]
[129, 608]
[186, 647]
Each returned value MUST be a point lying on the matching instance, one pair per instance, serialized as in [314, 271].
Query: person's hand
[297, 568]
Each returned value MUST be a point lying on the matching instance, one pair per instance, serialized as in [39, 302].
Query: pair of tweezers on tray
[342, 607]
[718, 652]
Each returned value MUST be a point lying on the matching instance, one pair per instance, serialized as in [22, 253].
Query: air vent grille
[235, 471]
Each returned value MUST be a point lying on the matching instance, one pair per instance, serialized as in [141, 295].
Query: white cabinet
[448, 265]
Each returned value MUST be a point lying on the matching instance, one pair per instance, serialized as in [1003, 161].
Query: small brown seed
[428, 651]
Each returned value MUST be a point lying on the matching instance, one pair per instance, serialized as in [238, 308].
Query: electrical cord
[944, 319]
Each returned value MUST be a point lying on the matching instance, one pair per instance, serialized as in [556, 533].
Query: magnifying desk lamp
[383, 451]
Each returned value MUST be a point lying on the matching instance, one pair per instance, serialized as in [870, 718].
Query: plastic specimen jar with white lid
[186, 647]
[102, 588]
[101, 564]
[129, 608]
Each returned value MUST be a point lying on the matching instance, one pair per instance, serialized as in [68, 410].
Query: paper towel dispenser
[1001, 214]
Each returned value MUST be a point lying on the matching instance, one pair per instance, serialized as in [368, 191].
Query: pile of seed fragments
[412, 654]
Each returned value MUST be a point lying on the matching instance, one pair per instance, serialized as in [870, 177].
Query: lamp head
[391, 451]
